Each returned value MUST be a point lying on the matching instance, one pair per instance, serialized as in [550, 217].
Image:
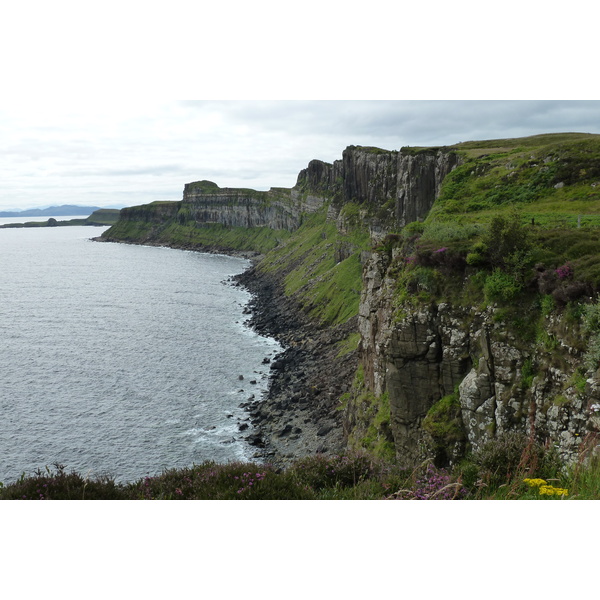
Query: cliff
[478, 365]
[389, 188]
[424, 316]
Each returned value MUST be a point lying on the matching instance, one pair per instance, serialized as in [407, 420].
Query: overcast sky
[126, 153]
[87, 114]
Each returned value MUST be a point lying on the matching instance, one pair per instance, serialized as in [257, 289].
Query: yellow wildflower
[550, 490]
[534, 482]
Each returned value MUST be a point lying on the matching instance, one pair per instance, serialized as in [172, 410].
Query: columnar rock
[418, 356]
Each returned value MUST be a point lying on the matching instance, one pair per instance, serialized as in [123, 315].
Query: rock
[324, 430]
[287, 429]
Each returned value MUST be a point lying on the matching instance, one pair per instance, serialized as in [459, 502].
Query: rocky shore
[300, 414]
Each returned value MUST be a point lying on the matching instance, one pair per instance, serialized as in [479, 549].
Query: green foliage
[319, 472]
[591, 326]
[57, 484]
[350, 344]
[547, 305]
[501, 287]
[527, 373]
[509, 458]
[591, 359]
[212, 481]
[445, 232]
[414, 228]
[322, 268]
[507, 242]
[501, 469]
[591, 318]
[444, 423]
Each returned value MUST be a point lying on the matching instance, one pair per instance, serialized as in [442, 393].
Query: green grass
[322, 268]
[554, 176]
[188, 234]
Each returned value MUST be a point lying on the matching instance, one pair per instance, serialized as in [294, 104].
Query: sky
[122, 153]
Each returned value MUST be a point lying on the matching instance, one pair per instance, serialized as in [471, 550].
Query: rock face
[206, 202]
[397, 187]
[393, 187]
[422, 355]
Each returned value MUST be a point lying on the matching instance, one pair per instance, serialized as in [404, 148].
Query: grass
[321, 268]
[557, 176]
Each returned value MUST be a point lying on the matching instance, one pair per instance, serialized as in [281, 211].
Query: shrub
[319, 471]
[444, 424]
[511, 455]
[501, 287]
[57, 484]
[212, 481]
[505, 237]
[432, 483]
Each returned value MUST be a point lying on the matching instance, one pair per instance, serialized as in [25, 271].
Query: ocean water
[119, 359]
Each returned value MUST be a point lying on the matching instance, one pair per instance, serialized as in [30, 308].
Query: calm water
[120, 359]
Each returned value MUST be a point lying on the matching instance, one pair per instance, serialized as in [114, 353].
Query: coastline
[298, 415]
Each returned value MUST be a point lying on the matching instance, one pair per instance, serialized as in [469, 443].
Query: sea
[121, 360]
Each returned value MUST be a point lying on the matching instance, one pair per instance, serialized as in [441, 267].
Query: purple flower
[565, 271]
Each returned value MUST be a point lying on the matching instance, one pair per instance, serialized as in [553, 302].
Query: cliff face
[390, 188]
[394, 188]
[205, 202]
[419, 356]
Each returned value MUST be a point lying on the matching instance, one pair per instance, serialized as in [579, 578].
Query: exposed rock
[436, 349]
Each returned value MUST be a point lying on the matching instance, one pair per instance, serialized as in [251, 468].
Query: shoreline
[298, 414]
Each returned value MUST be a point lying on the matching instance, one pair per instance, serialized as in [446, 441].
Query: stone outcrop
[418, 356]
[391, 188]
[278, 208]
[394, 187]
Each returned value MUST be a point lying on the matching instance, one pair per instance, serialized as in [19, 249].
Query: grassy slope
[552, 182]
[322, 268]
[188, 234]
[553, 177]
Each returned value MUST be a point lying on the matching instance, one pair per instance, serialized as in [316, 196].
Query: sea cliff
[430, 300]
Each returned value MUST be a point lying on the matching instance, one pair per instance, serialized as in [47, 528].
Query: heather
[509, 467]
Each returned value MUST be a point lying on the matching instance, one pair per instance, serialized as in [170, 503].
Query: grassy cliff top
[553, 178]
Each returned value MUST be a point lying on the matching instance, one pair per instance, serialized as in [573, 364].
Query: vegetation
[321, 267]
[509, 467]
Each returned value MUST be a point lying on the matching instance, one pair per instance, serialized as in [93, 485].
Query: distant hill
[99, 218]
[53, 211]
